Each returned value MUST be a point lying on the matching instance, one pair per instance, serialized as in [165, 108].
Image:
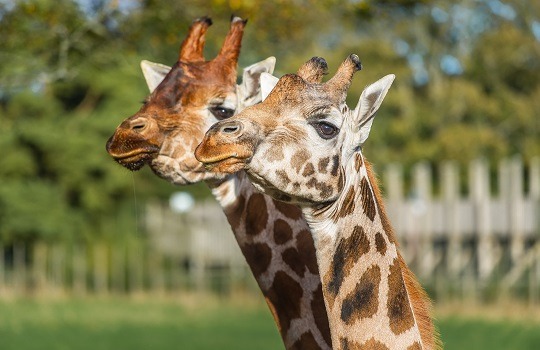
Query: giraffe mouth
[136, 159]
[229, 164]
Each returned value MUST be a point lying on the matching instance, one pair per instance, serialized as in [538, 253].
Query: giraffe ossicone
[302, 144]
[185, 100]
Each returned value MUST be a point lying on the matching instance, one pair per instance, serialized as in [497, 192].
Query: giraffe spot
[296, 186]
[274, 154]
[256, 215]
[326, 190]
[387, 227]
[341, 181]
[358, 162]
[292, 258]
[234, 211]
[282, 197]
[399, 308]
[348, 251]
[299, 159]
[286, 297]
[282, 176]
[323, 163]
[305, 342]
[380, 243]
[362, 302]
[282, 231]
[292, 212]
[319, 314]
[258, 257]
[415, 346]
[368, 202]
[308, 170]
[306, 247]
[335, 165]
[370, 344]
[347, 206]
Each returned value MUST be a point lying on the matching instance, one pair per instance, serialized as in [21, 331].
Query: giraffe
[303, 145]
[185, 101]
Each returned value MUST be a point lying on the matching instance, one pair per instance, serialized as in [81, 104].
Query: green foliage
[71, 75]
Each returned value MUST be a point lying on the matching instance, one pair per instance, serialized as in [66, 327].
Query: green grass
[203, 323]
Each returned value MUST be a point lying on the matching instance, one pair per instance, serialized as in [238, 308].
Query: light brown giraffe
[303, 145]
[273, 236]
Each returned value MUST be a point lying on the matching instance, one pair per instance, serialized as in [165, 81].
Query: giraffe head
[297, 142]
[185, 100]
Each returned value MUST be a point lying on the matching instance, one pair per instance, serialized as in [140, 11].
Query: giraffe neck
[372, 298]
[278, 247]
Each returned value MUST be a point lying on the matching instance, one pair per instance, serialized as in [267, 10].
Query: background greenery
[468, 85]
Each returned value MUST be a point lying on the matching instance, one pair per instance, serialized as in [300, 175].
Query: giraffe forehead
[190, 84]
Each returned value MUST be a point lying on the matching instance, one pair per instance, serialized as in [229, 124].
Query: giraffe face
[296, 143]
[184, 102]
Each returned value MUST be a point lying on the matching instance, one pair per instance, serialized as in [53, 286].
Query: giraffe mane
[420, 301]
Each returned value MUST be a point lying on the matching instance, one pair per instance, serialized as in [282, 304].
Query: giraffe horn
[340, 82]
[193, 45]
[233, 41]
[313, 70]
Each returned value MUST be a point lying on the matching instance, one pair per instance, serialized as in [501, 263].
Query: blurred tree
[467, 86]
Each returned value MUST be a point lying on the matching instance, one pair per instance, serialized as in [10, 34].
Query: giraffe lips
[225, 163]
[135, 160]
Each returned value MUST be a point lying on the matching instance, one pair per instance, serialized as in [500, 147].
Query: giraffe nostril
[231, 128]
[138, 126]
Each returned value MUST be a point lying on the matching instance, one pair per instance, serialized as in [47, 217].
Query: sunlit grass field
[208, 323]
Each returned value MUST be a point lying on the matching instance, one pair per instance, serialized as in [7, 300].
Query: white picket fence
[476, 238]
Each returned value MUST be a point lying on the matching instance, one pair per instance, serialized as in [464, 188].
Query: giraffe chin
[226, 166]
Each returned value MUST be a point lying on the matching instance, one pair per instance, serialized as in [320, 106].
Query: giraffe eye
[325, 130]
[221, 112]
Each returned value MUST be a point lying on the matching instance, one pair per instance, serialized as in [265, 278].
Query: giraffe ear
[154, 73]
[250, 88]
[268, 82]
[369, 103]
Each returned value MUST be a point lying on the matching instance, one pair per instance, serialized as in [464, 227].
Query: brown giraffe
[273, 236]
[303, 145]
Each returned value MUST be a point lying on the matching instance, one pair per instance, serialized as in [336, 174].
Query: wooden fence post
[422, 213]
[451, 216]
[479, 191]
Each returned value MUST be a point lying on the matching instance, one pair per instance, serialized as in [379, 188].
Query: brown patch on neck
[399, 308]
[347, 253]
[347, 206]
[290, 211]
[305, 342]
[380, 204]
[363, 301]
[380, 243]
[320, 315]
[282, 232]
[370, 344]
[335, 165]
[306, 247]
[292, 257]
[368, 202]
[285, 295]
[415, 346]
[258, 257]
[256, 214]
